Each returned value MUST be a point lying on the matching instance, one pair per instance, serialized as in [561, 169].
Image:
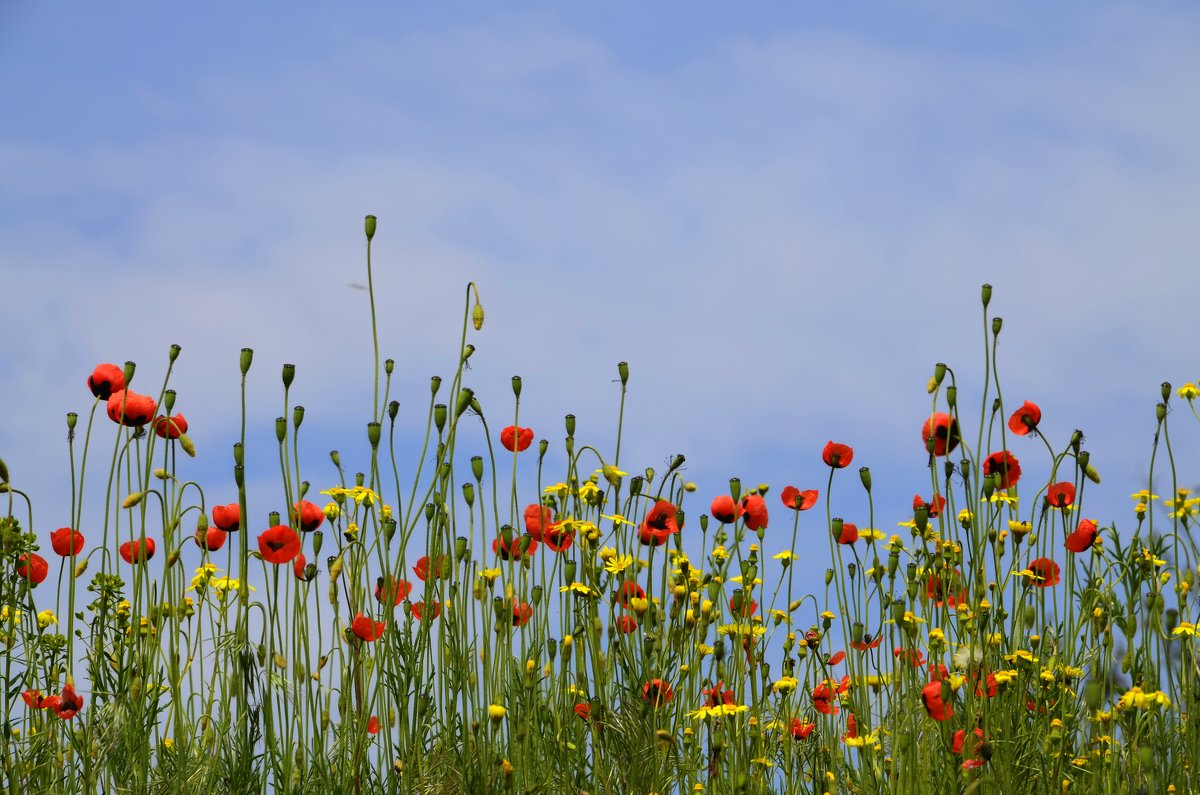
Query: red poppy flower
[799, 500]
[35, 700]
[801, 730]
[307, 516]
[936, 589]
[537, 518]
[940, 434]
[425, 567]
[298, 567]
[837, 455]
[227, 517]
[1084, 536]
[627, 591]
[754, 511]
[848, 535]
[649, 538]
[931, 697]
[1004, 463]
[280, 544]
[390, 591]
[937, 671]
[584, 711]
[724, 509]
[851, 728]
[822, 699]
[515, 439]
[657, 692]
[866, 642]
[625, 624]
[69, 703]
[513, 551]
[914, 657]
[1025, 419]
[66, 542]
[558, 539]
[138, 409]
[367, 628]
[137, 552]
[170, 427]
[960, 739]
[1045, 572]
[748, 608]
[837, 658]
[418, 610]
[1061, 495]
[933, 509]
[522, 612]
[373, 725]
[660, 521]
[717, 695]
[105, 380]
[211, 539]
[988, 688]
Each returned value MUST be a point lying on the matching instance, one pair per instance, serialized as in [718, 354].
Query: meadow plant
[476, 629]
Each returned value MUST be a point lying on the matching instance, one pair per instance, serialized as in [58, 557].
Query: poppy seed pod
[369, 227]
[464, 401]
[239, 476]
[516, 385]
[1166, 391]
[477, 467]
[239, 455]
[280, 429]
[987, 295]
[435, 383]
[393, 409]
[297, 416]
[623, 372]
[130, 369]
[247, 357]
[373, 431]
[388, 366]
[439, 416]
[468, 490]
[735, 488]
[569, 422]
[289, 375]
[997, 324]
[952, 396]
[168, 401]
[864, 474]
[1160, 411]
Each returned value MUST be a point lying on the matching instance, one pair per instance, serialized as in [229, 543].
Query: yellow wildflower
[46, 618]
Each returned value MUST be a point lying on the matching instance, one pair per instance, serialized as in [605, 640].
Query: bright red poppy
[946, 590]
[280, 544]
[1083, 537]
[851, 728]
[559, 539]
[822, 699]
[227, 517]
[513, 550]
[754, 511]
[373, 725]
[521, 613]
[307, 516]
[211, 539]
[960, 738]
[1061, 495]
[131, 409]
[390, 591]
[584, 711]
[848, 535]
[1045, 572]
[299, 565]
[367, 628]
[66, 541]
[137, 552]
[801, 730]
[35, 700]
[649, 538]
[1025, 419]
[426, 567]
[988, 688]
[537, 519]
[627, 591]
[799, 500]
[933, 509]
[748, 607]
[105, 380]
[1004, 463]
[657, 692]
[940, 433]
[914, 657]
[625, 624]
[837, 455]
[660, 521]
[931, 697]
[979, 756]
[867, 642]
[69, 703]
[717, 695]
[418, 610]
[724, 509]
[170, 427]
[516, 439]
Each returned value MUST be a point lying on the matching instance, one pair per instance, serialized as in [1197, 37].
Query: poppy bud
[246, 358]
[864, 474]
[130, 367]
[435, 383]
[239, 475]
[187, 444]
[477, 316]
[373, 431]
[133, 499]
[516, 385]
[393, 409]
[468, 490]
[81, 567]
[172, 558]
[623, 372]
[280, 429]
[952, 396]
[997, 324]
[635, 485]
[676, 462]
[168, 401]
[1092, 473]
[828, 576]
[987, 295]
[369, 227]
[439, 416]
[460, 548]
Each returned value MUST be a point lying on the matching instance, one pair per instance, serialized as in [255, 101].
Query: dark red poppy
[559, 539]
[170, 427]
[933, 509]
[940, 433]
[1025, 419]
[848, 534]
[522, 612]
[627, 591]
[931, 697]
[105, 380]
[516, 439]
[717, 695]
[66, 541]
[625, 624]
[227, 517]
[426, 567]
[801, 730]
[537, 519]
[69, 703]
[211, 539]
[724, 509]
[657, 693]
[280, 544]
[754, 511]
[137, 552]
[298, 567]
[799, 500]
[373, 725]
[946, 590]
[660, 521]
[1061, 495]
[1004, 463]
[131, 409]
[1083, 537]
[1045, 572]
[748, 606]
[822, 699]
[418, 610]
[513, 550]
[867, 642]
[837, 455]
[390, 591]
[367, 628]
[307, 516]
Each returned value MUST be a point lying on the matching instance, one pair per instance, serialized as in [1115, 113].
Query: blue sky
[780, 217]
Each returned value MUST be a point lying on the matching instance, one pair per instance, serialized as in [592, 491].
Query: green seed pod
[435, 383]
[516, 386]
[735, 488]
[468, 490]
[864, 474]
[173, 354]
[635, 485]
[460, 548]
[543, 446]
[464, 401]
[952, 396]
[273, 518]
[130, 369]
[997, 324]
[623, 372]
[393, 409]
[1160, 411]
[477, 467]
[280, 429]
[389, 365]
[569, 422]
[369, 227]
[373, 432]
[289, 375]
[336, 458]
[168, 401]
[439, 416]
[389, 529]
[247, 357]
[939, 373]
[987, 295]
[1166, 391]
[239, 476]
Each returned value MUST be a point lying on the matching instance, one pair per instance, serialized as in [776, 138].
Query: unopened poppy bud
[676, 462]
[997, 324]
[1092, 473]
[130, 368]
[239, 476]
[987, 295]
[864, 474]
[187, 444]
[1160, 411]
[133, 499]
[161, 474]
[169, 401]
[172, 558]
[373, 431]
[81, 567]
[439, 416]
[939, 372]
[477, 316]
[623, 372]
[280, 429]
